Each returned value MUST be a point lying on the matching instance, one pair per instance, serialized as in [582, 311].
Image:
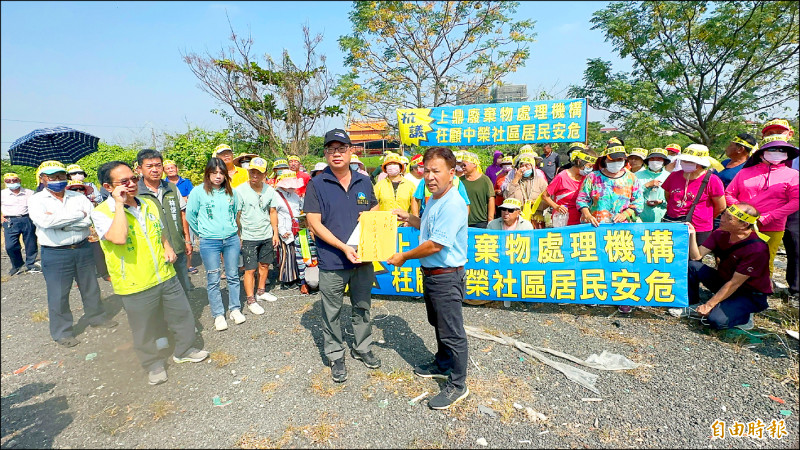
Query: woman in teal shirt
[211, 212]
[651, 176]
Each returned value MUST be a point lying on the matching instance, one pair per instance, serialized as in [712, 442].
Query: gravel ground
[280, 393]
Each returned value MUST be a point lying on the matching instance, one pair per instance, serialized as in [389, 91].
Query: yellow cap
[49, 168]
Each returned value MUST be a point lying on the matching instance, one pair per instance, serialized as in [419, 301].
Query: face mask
[459, 169]
[78, 177]
[506, 168]
[246, 165]
[615, 167]
[655, 166]
[672, 158]
[354, 167]
[393, 170]
[420, 170]
[57, 186]
[775, 157]
[13, 186]
[527, 173]
[586, 170]
[688, 166]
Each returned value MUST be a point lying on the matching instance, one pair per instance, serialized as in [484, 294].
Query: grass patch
[321, 432]
[401, 383]
[40, 316]
[161, 409]
[222, 359]
[483, 389]
[322, 384]
[269, 388]
[305, 308]
[424, 443]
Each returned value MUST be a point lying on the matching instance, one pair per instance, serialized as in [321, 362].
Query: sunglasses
[133, 179]
[12, 180]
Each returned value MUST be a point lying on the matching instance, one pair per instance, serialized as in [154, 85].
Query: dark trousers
[99, 259]
[443, 295]
[14, 228]
[147, 309]
[791, 241]
[60, 267]
[479, 225]
[734, 310]
[182, 272]
[331, 285]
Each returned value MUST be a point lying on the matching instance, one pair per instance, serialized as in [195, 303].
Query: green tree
[426, 53]
[282, 102]
[697, 66]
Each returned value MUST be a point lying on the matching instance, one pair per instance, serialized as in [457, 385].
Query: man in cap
[294, 165]
[442, 253]
[258, 230]
[771, 187]
[333, 202]
[14, 213]
[237, 174]
[140, 261]
[510, 217]
[480, 191]
[62, 220]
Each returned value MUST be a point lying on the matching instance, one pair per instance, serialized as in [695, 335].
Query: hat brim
[694, 159]
[616, 155]
[51, 171]
[657, 155]
[290, 183]
[510, 207]
[75, 187]
[773, 127]
[238, 159]
[337, 139]
[791, 150]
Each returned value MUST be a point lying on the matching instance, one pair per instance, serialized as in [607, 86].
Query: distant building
[371, 137]
[608, 130]
[510, 93]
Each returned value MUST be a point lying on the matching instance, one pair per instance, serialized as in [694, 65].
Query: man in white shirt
[16, 223]
[62, 220]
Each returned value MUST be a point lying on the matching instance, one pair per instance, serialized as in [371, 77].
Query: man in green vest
[139, 258]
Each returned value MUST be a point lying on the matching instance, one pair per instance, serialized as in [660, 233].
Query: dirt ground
[266, 384]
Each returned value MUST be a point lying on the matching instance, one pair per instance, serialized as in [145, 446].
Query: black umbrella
[62, 144]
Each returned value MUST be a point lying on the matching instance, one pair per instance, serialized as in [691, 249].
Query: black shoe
[68, 342]
[369, 360]
[338, 370]
[34, 268]
[448, 397]
[432, 370]
[107, 324]
[15, 270]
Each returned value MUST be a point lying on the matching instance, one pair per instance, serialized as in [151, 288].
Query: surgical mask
[527, 173]
[688, 166]
[393, 170]
[13, 186]
[78, 177]
[506, 167]
[57, 186]
[655, 166]
[586, 170]
[246, 165]
[354, 167]
[420, 170]
[672, 158]
[775, 157]
[615, 167]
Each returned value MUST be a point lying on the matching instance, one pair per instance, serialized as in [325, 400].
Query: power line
[74, 124]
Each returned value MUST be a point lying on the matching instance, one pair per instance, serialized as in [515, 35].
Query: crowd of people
[258, 227]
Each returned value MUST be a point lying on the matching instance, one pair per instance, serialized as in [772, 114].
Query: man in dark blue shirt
[334, 200]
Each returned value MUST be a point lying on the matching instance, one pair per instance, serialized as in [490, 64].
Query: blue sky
[114, 69]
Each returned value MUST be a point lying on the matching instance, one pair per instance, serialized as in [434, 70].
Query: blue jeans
[210, 251]
[14, 228]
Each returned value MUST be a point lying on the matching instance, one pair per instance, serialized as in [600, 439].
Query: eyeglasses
[134, 179]
[335, 150]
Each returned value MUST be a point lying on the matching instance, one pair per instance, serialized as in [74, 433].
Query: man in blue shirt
[334, 200]
[442, 253]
